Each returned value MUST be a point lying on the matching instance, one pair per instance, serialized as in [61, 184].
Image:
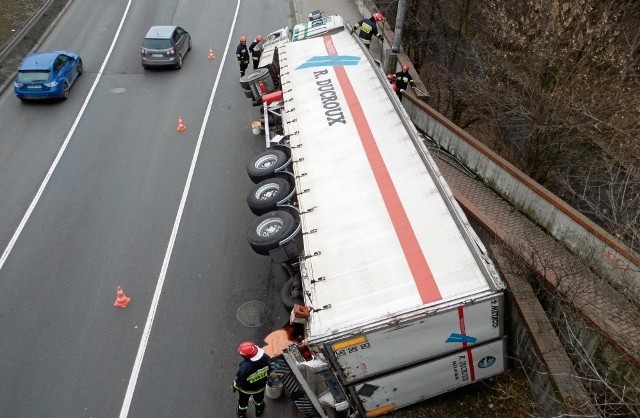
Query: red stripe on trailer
[463, 328]
[463, 332]
[472, 367]
[418, 265]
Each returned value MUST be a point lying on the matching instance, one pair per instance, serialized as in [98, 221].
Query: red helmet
[248, 349]
[259, 38]
[243, 40]
[405, 68]
[377, 17]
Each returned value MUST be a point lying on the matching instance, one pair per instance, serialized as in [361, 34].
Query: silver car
[165, 45]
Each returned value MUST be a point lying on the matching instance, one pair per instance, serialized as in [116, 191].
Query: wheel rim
[65, 91]
[269, 227]
[266, 161]
[267, 191]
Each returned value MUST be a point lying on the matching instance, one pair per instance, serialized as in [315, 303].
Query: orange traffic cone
[211, 56]
[121, 300]
[181, 126]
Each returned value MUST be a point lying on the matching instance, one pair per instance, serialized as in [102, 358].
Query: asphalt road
[110, 214]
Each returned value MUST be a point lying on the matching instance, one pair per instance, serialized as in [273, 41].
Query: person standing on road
[403, 80]
[242, 53]
[369, 29]
[251, 378]
[256, 51]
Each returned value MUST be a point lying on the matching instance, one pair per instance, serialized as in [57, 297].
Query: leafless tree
[613, 393]
[551, 85]
[436, 33]
[605, 383]
[606, 189]
[548, 75]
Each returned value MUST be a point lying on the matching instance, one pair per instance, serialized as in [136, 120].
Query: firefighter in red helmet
[251, 377]
[403, 80]
[256, 50]
[369, 29]
[242, 53]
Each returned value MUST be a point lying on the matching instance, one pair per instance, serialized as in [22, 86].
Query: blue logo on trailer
[486, 362]
[459, 338]
[330, 61]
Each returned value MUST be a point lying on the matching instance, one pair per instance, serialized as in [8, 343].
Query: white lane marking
[36, 198]
[124, 412]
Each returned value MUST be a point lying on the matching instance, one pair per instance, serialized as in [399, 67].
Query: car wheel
[79, 67]
[190, 45]
[179, 63]
[266, 232]
[65, 91]
[265, 195]
[265, 164]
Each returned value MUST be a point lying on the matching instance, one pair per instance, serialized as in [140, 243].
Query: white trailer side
[404, 302]
[382, 232]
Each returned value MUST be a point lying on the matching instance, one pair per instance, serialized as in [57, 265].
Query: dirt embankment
[14, 15]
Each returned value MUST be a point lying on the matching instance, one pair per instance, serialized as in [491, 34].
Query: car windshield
[152, 43]
[31, 76]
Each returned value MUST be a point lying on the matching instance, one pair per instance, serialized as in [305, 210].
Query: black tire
[265, 164]
[291, 292]
[80, 67]
[248, 80]
[266, 231]
[65, 91]
[190, 45]
[264, 196]
[179, 63]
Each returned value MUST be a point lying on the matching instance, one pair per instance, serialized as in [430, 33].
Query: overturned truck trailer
[394, 298]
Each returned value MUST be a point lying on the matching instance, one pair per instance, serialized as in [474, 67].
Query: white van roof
[317, 27]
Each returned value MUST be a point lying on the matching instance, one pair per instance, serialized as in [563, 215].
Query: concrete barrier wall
[556, 387]
[610, 258]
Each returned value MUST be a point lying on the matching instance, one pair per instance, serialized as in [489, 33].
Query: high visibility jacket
[252, 375]
[403, 79]
[368, 29]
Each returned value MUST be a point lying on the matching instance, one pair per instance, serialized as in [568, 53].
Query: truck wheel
[265, 164]
[291, 292]
[266, 232]
[265, 195]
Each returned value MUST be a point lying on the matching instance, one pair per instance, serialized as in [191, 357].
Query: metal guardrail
[25, 29]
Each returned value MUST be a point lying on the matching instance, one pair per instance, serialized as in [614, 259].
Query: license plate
[35, 86]
[156, 55]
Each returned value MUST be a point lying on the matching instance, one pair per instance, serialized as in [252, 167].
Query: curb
[24, 31]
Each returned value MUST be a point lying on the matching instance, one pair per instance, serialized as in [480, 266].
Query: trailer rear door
[397, 390]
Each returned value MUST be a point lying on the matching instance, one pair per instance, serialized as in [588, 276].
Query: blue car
[47, 75]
